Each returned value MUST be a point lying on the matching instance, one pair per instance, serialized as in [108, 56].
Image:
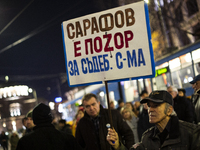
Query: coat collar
[173, 131]
[43, 125]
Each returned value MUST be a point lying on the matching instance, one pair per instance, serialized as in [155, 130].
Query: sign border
[124, 79]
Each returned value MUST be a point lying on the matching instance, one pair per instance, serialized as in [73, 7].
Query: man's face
[196, 86]
[92, 107]
[156, 112]
[173, 93]
[29, 123]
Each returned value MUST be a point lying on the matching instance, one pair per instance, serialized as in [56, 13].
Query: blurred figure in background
[24, 126]
[120, 104]
[112, 105]
[4, 140]
[79, 115]
[14, 140]
[182, 93]
[196, 97]
[129, 105]
[182, 106]
[45, 136]
[131, 119]
[29, 122]
[136, 107]
[64, 127]
[143, 122]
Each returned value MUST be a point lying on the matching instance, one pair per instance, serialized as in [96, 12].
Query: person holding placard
[93, 132]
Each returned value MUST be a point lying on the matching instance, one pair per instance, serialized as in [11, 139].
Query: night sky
[31, 47]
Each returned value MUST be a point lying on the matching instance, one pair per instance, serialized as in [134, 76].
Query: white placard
[110, 45]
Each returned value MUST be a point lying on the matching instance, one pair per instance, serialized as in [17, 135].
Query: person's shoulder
[148, 131]
[187, 125]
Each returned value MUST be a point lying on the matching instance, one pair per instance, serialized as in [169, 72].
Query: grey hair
[166, 108]
[173, 113]
[173, 88]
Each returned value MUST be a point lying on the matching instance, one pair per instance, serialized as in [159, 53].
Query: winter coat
[46, 137]
[4, 140]
[143, 122]
[13, 141]
[196, 103]
[85, 131]
[67, 129]
[184, 109]
[182, 136]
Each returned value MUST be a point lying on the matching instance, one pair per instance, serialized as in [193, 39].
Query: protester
[136, 107]
[14, 140]
[143, 122]
[93, 127]
[196, 98]
[169, 132]
[64, 127]
[4, 140]
[182, 93]
[120, 104]
[29, 122]
[131, 119]
[112, 105]
[24, 126]
[129, 105]
[182, 106]
[78, 116]
[45, 136]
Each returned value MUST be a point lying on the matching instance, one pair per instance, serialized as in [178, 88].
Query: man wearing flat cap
[44, 135]
[168, 132]
[196, 97]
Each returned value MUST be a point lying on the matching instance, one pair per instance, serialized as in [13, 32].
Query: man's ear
[170, 110]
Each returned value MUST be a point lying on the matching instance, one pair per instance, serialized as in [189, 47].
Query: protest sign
[108, 46]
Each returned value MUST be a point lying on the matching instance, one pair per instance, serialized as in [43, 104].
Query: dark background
[31, 48]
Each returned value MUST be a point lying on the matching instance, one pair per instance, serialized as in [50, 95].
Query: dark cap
[159, 97]
[42, 114]
[197, 78]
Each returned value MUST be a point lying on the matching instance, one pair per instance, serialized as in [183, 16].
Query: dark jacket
[184, 109]
[85, 131]
[143, 122]
[196, 103]
[46, 137]
[182, 136]
[66, 129]
[13, 141]
[4, 140]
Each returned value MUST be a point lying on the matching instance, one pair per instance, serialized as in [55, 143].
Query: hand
[136, 145]
[113, 139]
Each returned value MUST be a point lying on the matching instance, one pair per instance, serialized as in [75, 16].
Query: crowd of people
[165, 119]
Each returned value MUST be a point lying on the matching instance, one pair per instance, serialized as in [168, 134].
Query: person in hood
[44, 135]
